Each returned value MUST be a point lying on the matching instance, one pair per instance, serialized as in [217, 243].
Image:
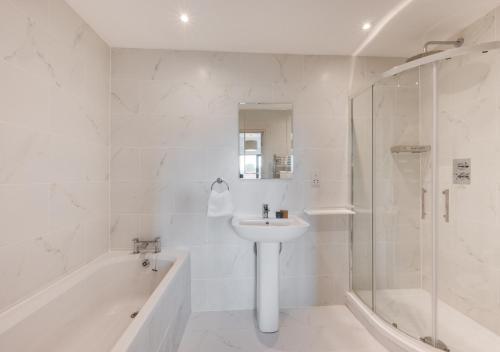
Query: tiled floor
[314, 329]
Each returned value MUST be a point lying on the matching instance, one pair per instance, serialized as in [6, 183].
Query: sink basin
[269, 230]
[268, 234]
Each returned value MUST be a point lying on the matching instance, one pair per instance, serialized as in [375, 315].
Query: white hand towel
[220, 204]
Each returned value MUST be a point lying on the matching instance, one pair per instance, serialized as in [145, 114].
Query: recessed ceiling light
[184, 18]
[366, 26]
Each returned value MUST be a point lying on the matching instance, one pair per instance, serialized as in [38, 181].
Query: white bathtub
[90, 310]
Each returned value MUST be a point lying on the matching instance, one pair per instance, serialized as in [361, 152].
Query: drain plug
[134, 314]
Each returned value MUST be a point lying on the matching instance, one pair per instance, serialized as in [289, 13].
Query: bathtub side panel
[182, 311]
[164, 328]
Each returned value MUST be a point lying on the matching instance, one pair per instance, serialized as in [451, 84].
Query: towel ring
[219, 181]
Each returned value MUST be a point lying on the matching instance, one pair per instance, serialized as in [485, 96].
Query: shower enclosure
[425, 242]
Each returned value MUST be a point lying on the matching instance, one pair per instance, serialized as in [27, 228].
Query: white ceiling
[424, 20]
[280, 26]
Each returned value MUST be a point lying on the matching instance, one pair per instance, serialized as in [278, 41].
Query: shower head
[456, 43]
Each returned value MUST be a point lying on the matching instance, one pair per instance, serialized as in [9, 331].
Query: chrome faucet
[265, 211]
[141, 245]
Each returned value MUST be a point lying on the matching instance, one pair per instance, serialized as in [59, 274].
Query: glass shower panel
[362, 242]
[468, 248]
[400, 161]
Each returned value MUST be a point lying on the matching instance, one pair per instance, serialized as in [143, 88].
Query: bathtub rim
[390, 337]
[26, 307]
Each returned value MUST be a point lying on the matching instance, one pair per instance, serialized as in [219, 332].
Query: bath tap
[144, 244]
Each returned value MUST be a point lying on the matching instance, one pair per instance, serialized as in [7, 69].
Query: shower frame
[433, 61]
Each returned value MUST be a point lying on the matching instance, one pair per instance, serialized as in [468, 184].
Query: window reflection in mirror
[265, 141]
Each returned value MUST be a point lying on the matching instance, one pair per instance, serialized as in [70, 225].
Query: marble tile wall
[174, 129]
[54, 118]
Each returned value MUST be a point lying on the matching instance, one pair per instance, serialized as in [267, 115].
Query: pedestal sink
[268, 234]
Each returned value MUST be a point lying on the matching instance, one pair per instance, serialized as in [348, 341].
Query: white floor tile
[312, 329]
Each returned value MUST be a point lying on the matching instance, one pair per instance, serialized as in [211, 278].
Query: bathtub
[92, 309]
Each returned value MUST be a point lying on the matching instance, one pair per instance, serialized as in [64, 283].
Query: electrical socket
[315, 179]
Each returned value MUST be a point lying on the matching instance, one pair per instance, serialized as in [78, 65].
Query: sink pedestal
[268, 234]
[268, 287]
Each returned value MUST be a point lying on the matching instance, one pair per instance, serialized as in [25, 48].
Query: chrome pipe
[456, 43]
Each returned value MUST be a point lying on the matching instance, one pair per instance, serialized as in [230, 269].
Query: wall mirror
[265, 141]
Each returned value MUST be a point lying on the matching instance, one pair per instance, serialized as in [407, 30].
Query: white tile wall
[54, 118]
[174, 130]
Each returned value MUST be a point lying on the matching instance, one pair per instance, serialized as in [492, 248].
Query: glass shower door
[434, 200]
[468, 246]
[362, 241]
[400, 165]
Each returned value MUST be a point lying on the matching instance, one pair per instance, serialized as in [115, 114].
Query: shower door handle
[422, 200]
[446, 214]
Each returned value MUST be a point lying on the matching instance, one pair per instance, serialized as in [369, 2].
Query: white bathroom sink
[269, 230]
[268, 235]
